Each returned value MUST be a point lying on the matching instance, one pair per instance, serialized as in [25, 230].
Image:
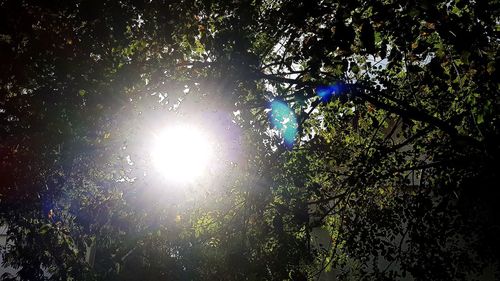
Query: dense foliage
[393, 171]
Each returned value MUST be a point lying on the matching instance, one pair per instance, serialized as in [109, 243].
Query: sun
[182, 153]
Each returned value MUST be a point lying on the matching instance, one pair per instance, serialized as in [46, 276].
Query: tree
[396, 120]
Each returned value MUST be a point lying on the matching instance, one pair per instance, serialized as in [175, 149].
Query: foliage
[396, 105]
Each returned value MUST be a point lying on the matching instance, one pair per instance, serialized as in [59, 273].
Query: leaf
[45, 228]
[368, 37]
[480, 119]
[491, 67]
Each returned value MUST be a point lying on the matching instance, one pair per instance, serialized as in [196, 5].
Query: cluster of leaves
[396, 168]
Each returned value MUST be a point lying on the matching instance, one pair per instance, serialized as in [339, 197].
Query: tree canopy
[360, 138]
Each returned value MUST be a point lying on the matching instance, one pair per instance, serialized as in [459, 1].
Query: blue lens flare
[327, 92]
[284, 121]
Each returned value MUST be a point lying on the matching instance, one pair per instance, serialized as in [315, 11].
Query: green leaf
[45, 228]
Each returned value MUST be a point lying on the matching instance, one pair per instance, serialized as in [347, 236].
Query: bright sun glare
[181, 153]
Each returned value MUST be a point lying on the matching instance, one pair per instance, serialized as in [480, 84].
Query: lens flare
[327, 92]
[284, 121]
